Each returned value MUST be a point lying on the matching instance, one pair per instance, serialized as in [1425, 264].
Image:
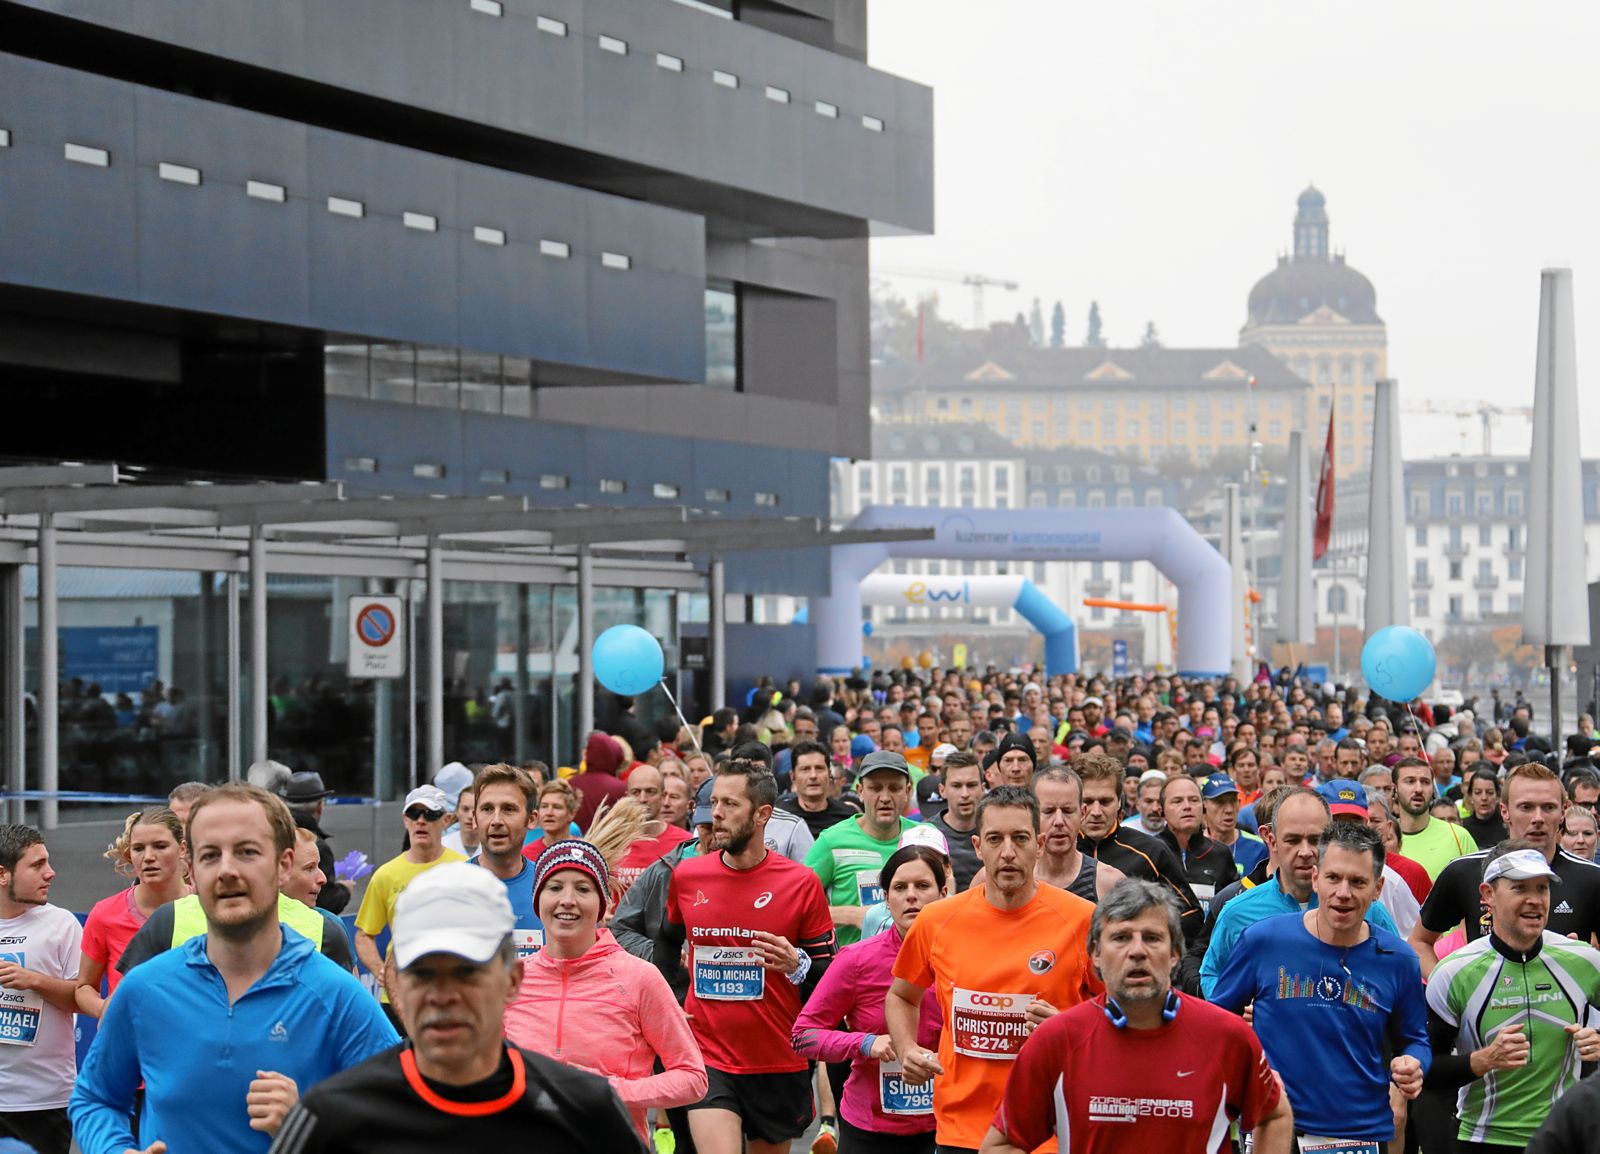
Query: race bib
[528, 942]
[870, 893]
[1310, 1145]
[728, 974]
[899, 1096]
[19, 1017]
[988, 1025]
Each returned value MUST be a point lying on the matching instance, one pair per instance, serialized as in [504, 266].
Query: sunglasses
[418, 813]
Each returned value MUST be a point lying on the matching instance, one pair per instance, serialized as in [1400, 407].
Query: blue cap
[860, 746]
[1345, 797]
[702, 804]
[1216, 785]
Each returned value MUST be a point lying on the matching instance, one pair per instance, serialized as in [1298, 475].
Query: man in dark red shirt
[1140, 1068]
[759, 936]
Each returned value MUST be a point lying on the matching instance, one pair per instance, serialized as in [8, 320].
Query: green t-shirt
[848, 863]
[1480, 991]
[1439, 844]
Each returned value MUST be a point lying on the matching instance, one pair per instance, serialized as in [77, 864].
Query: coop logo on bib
[989, 1025]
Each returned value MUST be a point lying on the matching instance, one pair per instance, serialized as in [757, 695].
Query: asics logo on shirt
[278, 1033]
[763, 899]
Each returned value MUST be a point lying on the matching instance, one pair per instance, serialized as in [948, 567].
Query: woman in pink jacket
[589, 1003]
[878, 1112]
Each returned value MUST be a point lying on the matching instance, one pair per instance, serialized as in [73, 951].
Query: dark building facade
[603, 252]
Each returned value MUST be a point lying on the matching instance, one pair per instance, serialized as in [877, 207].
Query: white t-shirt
[37, 1060]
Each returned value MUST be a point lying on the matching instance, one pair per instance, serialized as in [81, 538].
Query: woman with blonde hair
[150, 851]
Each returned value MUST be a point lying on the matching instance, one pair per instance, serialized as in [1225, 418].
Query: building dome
[1313, 278]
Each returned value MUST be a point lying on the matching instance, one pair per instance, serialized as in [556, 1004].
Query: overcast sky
[1147, 153]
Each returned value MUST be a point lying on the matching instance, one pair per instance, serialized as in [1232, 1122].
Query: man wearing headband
[456, 1083]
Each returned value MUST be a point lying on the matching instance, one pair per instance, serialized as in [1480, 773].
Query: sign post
[1119, 658]
[377, 636]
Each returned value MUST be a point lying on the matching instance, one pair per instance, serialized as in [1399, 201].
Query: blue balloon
[866, 629]
[1398, 663]
[627, 660]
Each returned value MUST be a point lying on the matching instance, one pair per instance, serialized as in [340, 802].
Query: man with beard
[760, 937]
[1137, 855]
[1532, 811]
[1103, 1052]
[1425, 839]
[848, 857]
[505, 800]
[1002, 958]
[40, 945]
[225, 1029]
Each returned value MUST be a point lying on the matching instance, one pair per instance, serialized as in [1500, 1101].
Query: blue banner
[1119, 658]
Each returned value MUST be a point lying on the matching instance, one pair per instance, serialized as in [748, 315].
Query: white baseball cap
[429, 797]
[924, 835]
[456, 908]
[1520, 865]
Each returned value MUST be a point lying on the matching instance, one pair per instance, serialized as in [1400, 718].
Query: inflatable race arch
[1158, 535]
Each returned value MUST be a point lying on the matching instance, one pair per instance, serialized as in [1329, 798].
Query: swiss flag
[1324, 524]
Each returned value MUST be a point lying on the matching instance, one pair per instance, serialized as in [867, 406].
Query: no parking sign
[377, 637]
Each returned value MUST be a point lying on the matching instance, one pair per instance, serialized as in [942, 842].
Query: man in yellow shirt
[424, 817]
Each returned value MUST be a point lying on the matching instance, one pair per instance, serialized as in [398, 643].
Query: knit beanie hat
[1007, 743]
[573, 854]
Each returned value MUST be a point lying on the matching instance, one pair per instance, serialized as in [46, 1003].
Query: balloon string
[679, 711]
[1421, 744]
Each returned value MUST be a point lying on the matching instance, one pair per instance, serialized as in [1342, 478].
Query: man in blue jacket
[227, 1029]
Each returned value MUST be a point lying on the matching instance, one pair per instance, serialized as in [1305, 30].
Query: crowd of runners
[935, 911]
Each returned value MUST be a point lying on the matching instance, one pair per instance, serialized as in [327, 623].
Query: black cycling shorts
[773, 1107]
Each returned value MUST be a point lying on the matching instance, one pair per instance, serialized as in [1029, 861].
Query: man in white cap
[456, 1083]
[424, 815]
[455, 782]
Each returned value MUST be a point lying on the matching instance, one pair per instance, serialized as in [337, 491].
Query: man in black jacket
[1207, 864]
[306, 796]
[1138, 855]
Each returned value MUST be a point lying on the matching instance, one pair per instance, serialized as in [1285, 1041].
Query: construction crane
[977, 282]
[1487, 413]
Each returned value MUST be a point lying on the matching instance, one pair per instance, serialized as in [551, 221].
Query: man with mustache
[225, 1029]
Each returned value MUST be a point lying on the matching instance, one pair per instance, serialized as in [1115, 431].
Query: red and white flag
[1323, 527]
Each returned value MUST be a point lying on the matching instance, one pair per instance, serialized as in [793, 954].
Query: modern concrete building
[567, 252]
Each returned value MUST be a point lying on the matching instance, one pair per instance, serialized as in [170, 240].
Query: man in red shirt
[760, 936]
[1140, 1068]
[645, 786]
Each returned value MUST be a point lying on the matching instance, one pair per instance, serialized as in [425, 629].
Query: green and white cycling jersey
[1486, 986]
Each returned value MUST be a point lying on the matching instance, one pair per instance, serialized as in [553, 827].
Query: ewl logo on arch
[918, 593]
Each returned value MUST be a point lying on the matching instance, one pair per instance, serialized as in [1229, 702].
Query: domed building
[1320, 317]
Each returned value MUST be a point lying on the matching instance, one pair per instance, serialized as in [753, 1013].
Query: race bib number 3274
[988, 1025]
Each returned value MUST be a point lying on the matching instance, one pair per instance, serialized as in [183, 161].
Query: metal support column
[555, 681]
[435, 686]
[585, 644]
[49, 673]
[382, 719]
[258, 646]
[519, 713]
[12, 675]
[235, 660]
[719, 631]
[204, 683]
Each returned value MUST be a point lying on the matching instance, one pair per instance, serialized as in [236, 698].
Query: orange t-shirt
[985, 965]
